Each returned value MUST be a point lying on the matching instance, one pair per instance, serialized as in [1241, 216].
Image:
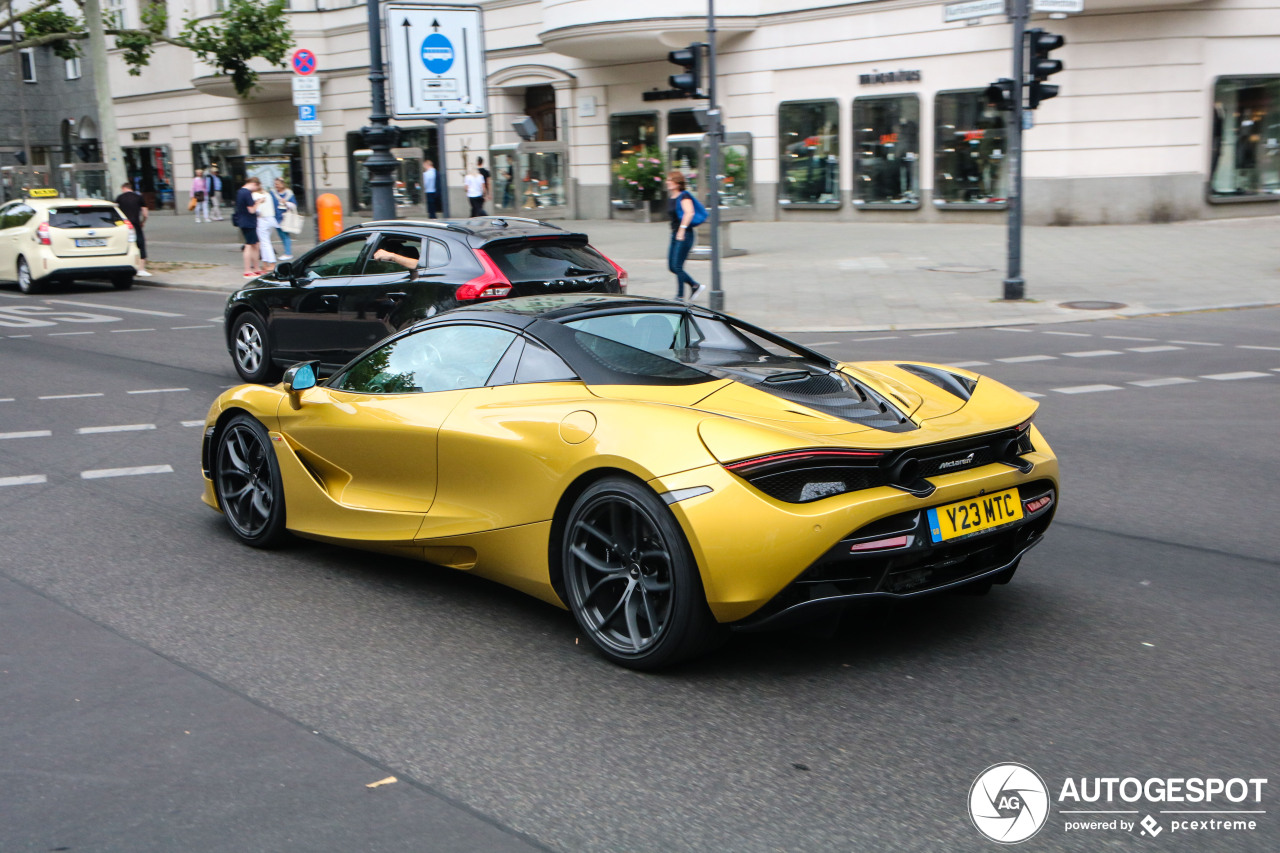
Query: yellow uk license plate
[974, 515]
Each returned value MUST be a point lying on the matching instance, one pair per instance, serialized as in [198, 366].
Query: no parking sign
[304, 62]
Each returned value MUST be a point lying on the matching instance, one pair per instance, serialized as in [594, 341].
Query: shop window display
[630, 135]
[969, 150]
[1245, 149]
[886, 144]
[809, 138]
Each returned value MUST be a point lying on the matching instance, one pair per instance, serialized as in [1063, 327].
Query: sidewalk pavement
[829, 276]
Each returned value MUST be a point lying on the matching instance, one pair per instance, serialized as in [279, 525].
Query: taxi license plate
[974, 515]
[87, 243]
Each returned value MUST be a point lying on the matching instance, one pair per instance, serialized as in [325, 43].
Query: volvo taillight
[489, 285]
[622, 274]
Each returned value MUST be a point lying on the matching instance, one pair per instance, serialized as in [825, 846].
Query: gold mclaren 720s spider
[663, 471]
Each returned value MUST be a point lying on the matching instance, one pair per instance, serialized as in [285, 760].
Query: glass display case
[530, 179]
[689, 153]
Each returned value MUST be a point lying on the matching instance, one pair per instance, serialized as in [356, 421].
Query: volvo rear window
[545, 259]
[84, 217]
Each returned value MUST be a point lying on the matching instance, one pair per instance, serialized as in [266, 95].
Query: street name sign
[306, 90]
[1057, 5]
[436, 64]
[972, 9]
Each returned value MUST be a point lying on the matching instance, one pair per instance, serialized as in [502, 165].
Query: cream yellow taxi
[46, 238]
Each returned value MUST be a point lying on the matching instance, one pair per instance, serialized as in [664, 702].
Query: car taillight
[1037, 504]
[622, 274]
[800, 476]
[880, 544]
[490, 285]
[42, 234]
[133, 234]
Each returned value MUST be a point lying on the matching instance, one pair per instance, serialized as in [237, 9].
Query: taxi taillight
[133, 234]
[42, 234]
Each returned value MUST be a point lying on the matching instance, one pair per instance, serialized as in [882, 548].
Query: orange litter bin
[329, 215]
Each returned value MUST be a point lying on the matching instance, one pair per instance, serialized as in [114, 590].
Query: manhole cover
[959, 268]
[1093, 306]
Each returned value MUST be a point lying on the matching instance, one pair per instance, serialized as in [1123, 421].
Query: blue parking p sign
[307, 112]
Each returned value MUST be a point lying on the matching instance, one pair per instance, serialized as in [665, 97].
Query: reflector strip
[880, 544]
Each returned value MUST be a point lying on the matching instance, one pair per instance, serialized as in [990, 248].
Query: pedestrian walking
[245, 218]
[213, 186]
[265, 209]
[475, 191]
[431, 188]
[682, 207]
[286, 203]
[200, 195]
[134, 208]
[484, 173]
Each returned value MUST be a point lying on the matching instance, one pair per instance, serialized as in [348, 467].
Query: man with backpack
[686, 213]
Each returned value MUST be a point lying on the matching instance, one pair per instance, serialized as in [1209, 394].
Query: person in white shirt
[475, 191]
[430, 188]
[265, 208]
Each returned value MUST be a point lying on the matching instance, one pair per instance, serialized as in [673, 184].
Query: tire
[251, 349]
[122, 282]
[630, 578]
[246, 479]
[26, 283]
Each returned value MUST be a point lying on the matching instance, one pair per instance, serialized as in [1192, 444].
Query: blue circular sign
[437, 53]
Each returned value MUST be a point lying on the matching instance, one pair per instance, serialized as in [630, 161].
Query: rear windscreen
[84, 217]
[540, 260]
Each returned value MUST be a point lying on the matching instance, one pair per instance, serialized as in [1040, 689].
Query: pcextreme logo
[1010, 802]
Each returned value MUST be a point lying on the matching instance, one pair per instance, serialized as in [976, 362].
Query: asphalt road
[231, 699]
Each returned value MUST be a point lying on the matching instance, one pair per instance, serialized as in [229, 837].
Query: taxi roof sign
[42, 192]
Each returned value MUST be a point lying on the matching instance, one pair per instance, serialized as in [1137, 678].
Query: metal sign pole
[380, 135]
[311, 186]
[1014, 286]
[442, 185]
[716, 298]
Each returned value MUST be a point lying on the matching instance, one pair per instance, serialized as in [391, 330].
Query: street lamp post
[716, 298]
[380, 136]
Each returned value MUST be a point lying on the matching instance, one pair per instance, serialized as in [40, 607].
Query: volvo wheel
[251, 350]
[631, 579]
[246, 478]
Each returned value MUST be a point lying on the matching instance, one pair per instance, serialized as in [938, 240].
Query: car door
[8, 255]
[369, 435]
[304, 318]
[15, 235]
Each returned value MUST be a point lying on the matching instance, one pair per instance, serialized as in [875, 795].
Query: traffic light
[1000, 95]
[1039, 44]
[688, 81]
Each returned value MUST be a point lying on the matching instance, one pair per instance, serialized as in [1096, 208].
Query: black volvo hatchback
[376, 278]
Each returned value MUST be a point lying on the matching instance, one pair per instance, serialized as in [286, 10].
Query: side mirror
[299, 378]
[284, 270]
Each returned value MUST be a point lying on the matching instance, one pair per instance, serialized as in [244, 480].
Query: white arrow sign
[436, 63]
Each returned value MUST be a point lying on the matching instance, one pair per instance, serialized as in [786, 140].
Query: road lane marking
[19, 336]
[885, 338]
[120, 428]
[968, 364]
[1019, 359]
[1032, 394]
[122, 331]
[1196, 343]
[1006, 329]
[30, 480]
[158, 391]
[1254, 346]
[114, 308]
[1243, 374]
[1071, 334]
[1158, 383]
[69, 396]
[1086, 389]
[33, 433]
[180, 328]
[930, 334]
[1093, 353]
[1126, 338]
[125, 472]
[1160, 348]
[216, 319]
[6, 399]
[192, 423]
[55, 334]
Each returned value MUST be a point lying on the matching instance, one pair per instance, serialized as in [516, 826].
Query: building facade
[848, 111]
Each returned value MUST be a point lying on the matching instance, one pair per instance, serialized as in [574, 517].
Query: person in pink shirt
[200, 192]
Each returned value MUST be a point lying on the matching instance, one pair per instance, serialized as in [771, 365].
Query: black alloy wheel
[631, 579]
[251, 349]
[26, 283]
[246, 478]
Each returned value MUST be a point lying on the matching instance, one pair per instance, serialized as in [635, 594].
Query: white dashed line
[180, 328]
[1019, 359]
[216, 319]
[1161, 348]
[1086, 389]
[1253, 346]
[19, 336]
[1125, 338]
[1159, 383]
[1006, 329]
[1093, 353]
[34, 433]
[121, 428]
[806, 343]
[885, 338]
[158, 391]
[70, 396]
[31, 480]
[1032, 394]
[1196, 343]
[1243, 374]
[57, 334]
[192, 423]
[930, 334]
[6, 399]
[123, 331]
[115, 308]
[125, 472]
[968, 364]
[1071, 334]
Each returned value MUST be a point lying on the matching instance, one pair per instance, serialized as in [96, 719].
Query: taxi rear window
[83, 217]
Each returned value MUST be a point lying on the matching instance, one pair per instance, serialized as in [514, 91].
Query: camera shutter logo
[1008, 803]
